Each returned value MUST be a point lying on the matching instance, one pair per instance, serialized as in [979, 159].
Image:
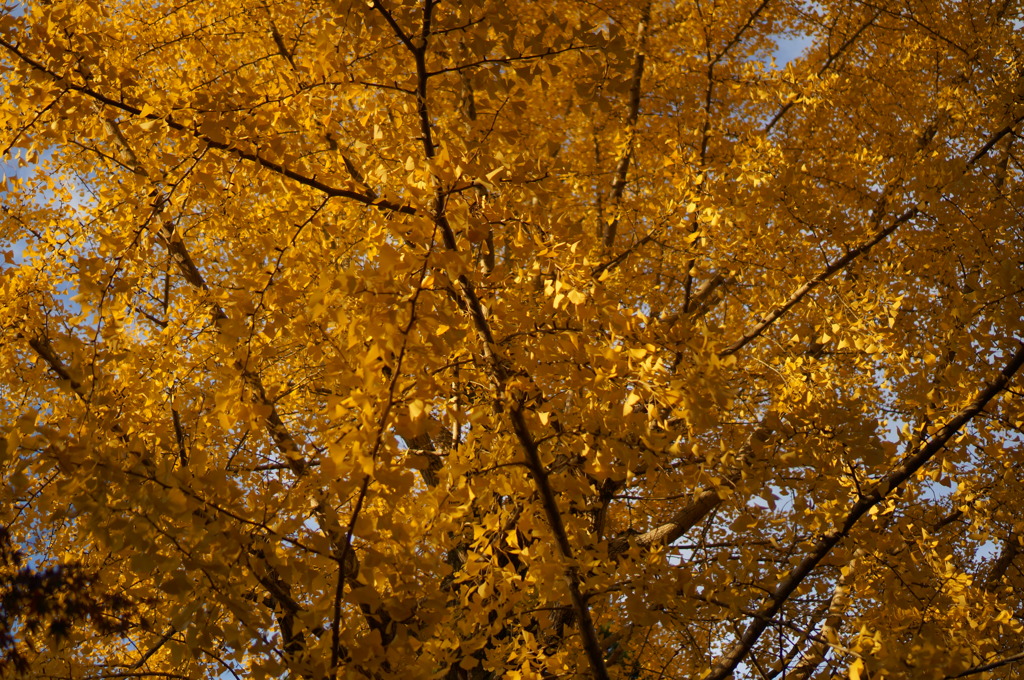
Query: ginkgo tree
[476, 339]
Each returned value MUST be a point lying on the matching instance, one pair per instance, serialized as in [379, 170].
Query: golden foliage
[514, 339]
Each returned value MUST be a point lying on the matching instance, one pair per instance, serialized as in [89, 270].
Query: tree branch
[622, 167]
[923, 453]
[500, 371]
[992, 665]
[688, 516]
[801, 292]
[254, 157]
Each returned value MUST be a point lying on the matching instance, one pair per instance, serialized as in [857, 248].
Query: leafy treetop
[512, 339]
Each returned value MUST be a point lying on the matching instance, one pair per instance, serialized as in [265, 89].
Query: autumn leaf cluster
[513, 339]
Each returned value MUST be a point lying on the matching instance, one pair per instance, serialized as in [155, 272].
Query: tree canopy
[478, 339]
